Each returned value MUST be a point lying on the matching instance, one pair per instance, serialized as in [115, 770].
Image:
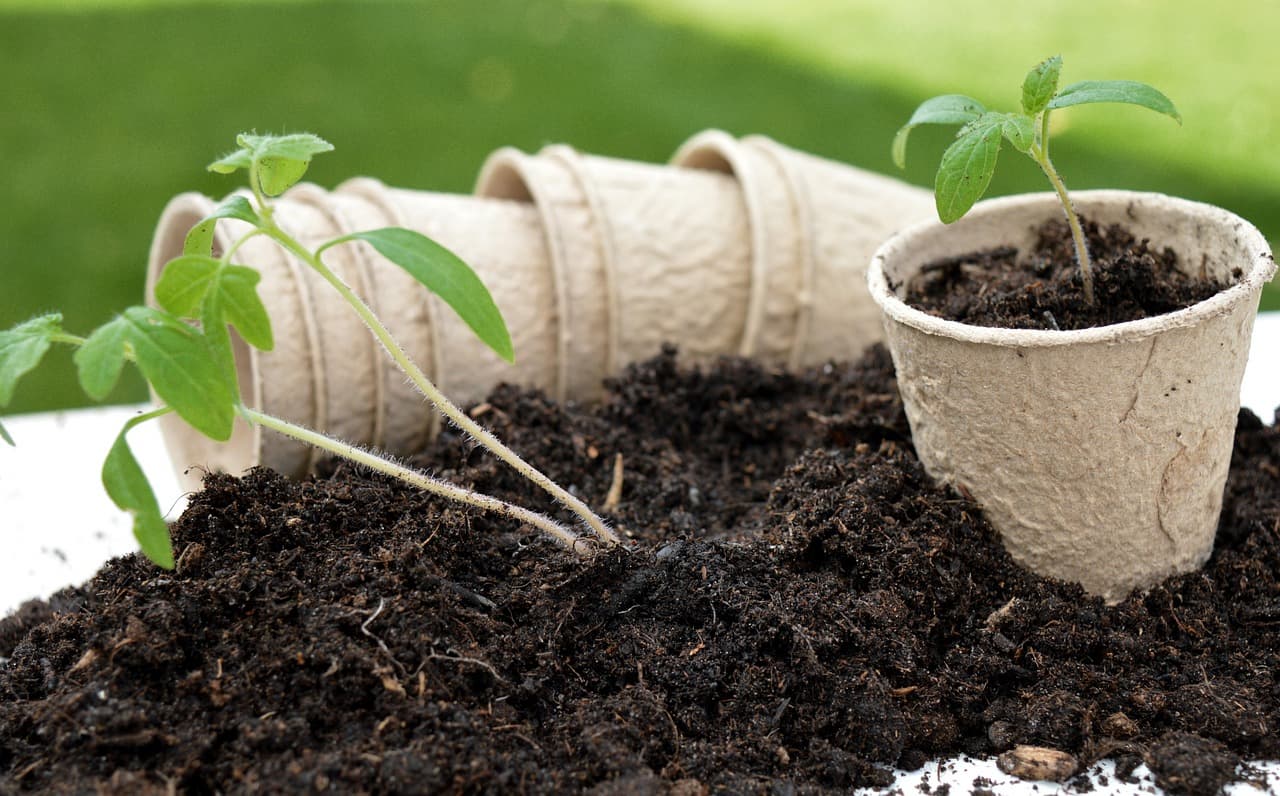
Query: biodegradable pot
[1100, 455]
[739, 247]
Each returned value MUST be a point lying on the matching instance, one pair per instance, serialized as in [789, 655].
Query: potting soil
[799, 609]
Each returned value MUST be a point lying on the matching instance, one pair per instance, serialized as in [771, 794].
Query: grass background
[110, 107]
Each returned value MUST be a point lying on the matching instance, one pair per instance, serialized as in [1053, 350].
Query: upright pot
[1100, 455]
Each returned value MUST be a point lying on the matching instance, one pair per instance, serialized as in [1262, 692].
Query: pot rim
[1260, 270]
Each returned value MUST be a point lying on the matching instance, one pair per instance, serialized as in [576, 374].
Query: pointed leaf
[184, 283]
[200, 238]
[240, 159]
[1019, 130]
[237, 288]
[1040, 84]
[277, 175]
[295, 146]
[946, 109]
[183, 370]
[22, 348]
[101, 358]
[128, 488]
[4, 435]
[446, 275]
[1126, 91]
[966, 168]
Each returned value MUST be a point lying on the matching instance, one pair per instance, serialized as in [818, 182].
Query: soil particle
[1186, 764]
[801, 609]
[1042, 290]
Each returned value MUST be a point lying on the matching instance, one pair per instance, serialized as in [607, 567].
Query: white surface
[57, 464]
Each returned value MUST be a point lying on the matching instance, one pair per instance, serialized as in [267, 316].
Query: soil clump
[801, 609]
[1003, 288]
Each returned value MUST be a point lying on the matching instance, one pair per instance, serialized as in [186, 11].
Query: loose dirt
[801, 608]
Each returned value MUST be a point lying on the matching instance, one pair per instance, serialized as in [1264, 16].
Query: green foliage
[274, 162]
[183, 348]
[968, 164]
[21, 349]
[446, 275]
[101, 359]
[200, 238]
[128, 488]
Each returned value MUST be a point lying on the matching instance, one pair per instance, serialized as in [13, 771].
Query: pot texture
[742, 246]
[1100, 455]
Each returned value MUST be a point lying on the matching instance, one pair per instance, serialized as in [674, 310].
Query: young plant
[183, 347]
[967, 165]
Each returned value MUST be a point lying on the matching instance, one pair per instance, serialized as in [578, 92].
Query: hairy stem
[433, 394]
[1040, 153]
[422, 481]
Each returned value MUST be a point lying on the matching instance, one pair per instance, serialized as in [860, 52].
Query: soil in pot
[1041, 290]
[802, 608]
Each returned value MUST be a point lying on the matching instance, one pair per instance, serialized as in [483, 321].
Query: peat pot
[1100, 455]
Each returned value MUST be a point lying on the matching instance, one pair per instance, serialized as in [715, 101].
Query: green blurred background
[110, 107]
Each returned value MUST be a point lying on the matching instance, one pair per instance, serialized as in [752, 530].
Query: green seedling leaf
[101, 358]
[946, 109]
[1040, 84]
[1126, 91]
[277, 175]
[967, 166]
[1019, 130]
[128, 488]
[240, 159]
[237, 290]
[184, 283]
[200, 238]
[189, 283]
[183, 369]
[446, 275]
[279, 161]
[295, 146]
[4, 435]
[22, 348]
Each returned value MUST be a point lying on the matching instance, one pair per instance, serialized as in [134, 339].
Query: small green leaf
[184, 283]
[101, 358]
[277, 175]
[128, 488]
[240, 159]
[446, 275]
[4, 435]
[946, 109]
[1126, 91]
[1019, 130]
[183, 370]
[200, 238]
[238, 289]
[967, 166]
[295, 146]
[22, 348]
[279, 161]
[1040, 84]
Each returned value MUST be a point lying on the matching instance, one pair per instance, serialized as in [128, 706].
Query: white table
[58, 460]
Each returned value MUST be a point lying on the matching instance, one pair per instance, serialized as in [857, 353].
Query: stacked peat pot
[739, 247]
[1101, 454]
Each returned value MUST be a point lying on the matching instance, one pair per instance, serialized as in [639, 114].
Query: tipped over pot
[1100, 455]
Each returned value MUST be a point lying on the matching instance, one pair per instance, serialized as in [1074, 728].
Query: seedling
[184, 350]
[967, 165]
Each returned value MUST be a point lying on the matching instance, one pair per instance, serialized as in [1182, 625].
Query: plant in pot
[1086, 399]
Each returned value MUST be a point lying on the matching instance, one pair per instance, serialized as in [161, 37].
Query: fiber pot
[1100, 455]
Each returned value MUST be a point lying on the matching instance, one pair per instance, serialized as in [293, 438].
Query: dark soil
[1042, 290]
[802, 608]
